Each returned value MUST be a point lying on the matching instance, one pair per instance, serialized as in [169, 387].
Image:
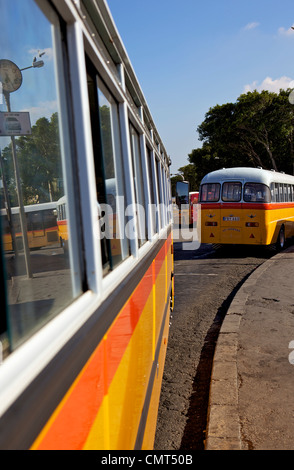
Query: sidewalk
[251, 404]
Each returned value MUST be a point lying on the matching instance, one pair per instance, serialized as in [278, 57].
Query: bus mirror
[182, 193]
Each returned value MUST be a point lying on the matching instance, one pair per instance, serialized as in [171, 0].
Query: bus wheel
[281, 238]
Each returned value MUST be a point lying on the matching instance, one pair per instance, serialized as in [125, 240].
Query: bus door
[231, 218]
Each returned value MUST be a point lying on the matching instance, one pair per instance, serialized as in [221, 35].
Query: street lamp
[11, 79]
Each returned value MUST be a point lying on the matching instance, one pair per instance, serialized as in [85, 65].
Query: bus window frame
[139, 186]
[119, 174]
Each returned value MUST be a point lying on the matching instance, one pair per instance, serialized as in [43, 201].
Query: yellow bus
[83, 339]
[41, 226]
[249, 206]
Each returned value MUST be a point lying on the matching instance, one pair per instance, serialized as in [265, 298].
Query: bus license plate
[231, 219]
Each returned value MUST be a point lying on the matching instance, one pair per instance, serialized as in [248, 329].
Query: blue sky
[190, 55]
[24, 31]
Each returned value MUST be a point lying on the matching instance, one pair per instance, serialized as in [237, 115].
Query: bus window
[285, 193]
[256, 192]
[112, 172]
[210, 192]
[231, 192]
[108, 170]
[281, 192]
[154, 213]
[139, 186]
[274, 192]
[157, 176]
[39, 285]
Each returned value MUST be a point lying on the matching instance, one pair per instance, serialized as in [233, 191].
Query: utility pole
[22, 216]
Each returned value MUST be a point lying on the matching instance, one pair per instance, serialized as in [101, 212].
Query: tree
[257, 130]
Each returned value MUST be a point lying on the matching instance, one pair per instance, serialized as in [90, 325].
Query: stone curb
[223, 424]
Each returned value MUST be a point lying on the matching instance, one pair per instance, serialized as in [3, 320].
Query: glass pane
[110, 167]
[38, 271]
[154, 213]
[231, 192]
[210, 192]
[139, 186]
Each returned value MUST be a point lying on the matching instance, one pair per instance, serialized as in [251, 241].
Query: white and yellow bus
[83, 339]
[249, 206]
[41, 226]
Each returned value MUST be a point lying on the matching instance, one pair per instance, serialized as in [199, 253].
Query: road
[206, 280]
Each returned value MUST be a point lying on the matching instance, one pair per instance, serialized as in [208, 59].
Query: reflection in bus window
[108, 171]
[154, 213]
[139, 186]
[39, 274]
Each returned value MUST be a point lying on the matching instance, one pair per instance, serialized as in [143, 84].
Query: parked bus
[186, 202]
[41, 226]
[83, 340]
[249, 206]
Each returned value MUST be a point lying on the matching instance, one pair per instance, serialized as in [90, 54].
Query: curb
[223, 430]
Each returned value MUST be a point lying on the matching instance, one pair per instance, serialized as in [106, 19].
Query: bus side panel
[128, 362]
[150, 429]
[161, 349]
[278, 215]
[104, 406]
[290, 222]
[273, 226]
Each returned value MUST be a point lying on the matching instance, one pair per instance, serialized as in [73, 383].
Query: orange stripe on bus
[70, 424]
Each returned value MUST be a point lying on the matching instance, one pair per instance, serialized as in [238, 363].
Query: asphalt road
[206, 280]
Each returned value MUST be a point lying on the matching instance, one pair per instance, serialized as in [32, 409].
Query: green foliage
[257, 130]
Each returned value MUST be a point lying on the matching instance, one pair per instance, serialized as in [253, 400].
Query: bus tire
[281, 239]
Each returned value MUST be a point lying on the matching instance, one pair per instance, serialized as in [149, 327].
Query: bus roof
[60, 201]
[244, 174]
[32, 208]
